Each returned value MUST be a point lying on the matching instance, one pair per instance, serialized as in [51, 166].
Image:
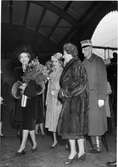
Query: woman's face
[67, 57]
[55, 62]
[24, 58]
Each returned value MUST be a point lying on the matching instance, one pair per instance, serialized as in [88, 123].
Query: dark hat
[24, 49]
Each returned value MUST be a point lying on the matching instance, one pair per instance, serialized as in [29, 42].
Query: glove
[63, 95]
[52, 92]
[100, 103]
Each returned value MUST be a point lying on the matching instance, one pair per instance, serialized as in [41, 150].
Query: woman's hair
[28, 55]
[57, 56]
[24, 49]
[71, 49]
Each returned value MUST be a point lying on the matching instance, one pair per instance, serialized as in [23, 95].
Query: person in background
[107, 106]
[97, 79]
[40, 114]
[52, 103]
[73, 121]
[112, 69]
[1, 110]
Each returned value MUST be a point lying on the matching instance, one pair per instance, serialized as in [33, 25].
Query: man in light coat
[97, 79]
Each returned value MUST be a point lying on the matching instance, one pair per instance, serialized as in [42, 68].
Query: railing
[107, 52]
[105, 48]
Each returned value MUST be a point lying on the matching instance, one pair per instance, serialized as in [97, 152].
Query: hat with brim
[86, 43]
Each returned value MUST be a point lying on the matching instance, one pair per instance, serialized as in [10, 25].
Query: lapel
[92, 58]
[68, 65]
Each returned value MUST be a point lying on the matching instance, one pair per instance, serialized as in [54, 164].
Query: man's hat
[86, 43]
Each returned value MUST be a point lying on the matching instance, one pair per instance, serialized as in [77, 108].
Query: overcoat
[53, 104]
[73, 121]
[25, 117]
[97, 79]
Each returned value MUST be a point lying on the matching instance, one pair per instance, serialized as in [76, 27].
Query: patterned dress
[53, 104]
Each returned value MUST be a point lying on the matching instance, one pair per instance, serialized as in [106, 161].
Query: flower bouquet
[36, 71]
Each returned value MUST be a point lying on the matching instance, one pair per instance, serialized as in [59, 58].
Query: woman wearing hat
[26, 104]
[52, 102]
[73, 122]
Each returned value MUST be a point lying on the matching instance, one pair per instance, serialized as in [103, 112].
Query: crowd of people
[75, 100]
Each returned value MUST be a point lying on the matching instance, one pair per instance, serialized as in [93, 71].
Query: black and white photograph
[58, 90]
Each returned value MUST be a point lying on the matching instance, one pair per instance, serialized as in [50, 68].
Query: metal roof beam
[60, 12]
[58, 20]
[86, 20]
[10, 11]
[26, 12]
[22, 27]
[80, 22]
[42, 15]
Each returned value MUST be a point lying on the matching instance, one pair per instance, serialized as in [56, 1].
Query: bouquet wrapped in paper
[36, 71]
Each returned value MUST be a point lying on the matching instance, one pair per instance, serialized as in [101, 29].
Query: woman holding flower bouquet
[52, 102]
[29, 90]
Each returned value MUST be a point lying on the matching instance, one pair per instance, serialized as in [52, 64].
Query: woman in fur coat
[73, 122]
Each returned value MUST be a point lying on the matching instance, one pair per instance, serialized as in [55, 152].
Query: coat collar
[67, 67]
[92, 57]
[69, 63]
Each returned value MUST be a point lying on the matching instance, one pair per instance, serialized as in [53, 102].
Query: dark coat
[97, 79]
[27, 116]
[73, 121]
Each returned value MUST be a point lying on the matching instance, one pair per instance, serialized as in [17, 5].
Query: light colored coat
[53, 104]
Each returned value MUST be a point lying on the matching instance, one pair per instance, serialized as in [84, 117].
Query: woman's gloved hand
[63, 95]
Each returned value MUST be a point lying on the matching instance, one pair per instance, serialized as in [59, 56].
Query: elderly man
[97, 79]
